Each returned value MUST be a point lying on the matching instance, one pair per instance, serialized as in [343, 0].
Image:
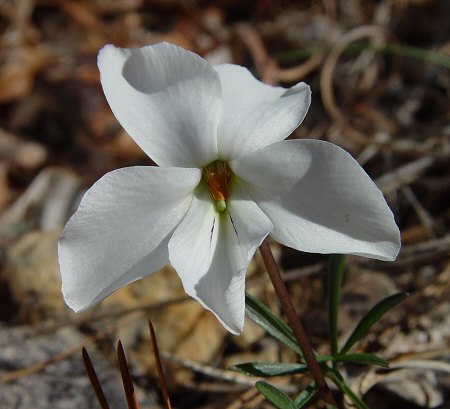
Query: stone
[60, 385]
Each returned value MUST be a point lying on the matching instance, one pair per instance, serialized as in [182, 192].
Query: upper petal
[166, 98]
[254, 114]
[319, 199]
[211, 252]
[121, 230]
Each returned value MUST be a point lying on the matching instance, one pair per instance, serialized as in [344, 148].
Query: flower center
[217, 175]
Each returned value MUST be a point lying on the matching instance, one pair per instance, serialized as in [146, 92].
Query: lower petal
[319, 199]
[211, 252]
[121, 230]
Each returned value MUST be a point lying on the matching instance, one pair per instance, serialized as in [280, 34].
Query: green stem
[295, 323]
[393, 49]
[335, 276]
[340, 383]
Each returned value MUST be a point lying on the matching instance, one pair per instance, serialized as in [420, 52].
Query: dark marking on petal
[234, 227]
[212, 232]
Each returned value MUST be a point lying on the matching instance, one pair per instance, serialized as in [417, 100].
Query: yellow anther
[221, 205]
[217, 176]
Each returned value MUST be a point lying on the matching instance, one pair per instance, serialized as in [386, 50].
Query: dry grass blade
[377, 36]
[159, 366]
[126, 378]
[94, 380]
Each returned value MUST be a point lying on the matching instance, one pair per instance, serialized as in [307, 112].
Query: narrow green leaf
[340, 383]
[335, 276]
[363, 359]
[278, 398]
[268, 369]
[371, 318]
[305, 396]
[324, 358]
[261, 315]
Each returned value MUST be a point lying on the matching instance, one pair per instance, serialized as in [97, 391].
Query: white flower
[226, 179]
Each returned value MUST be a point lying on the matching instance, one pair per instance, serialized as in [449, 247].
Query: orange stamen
[217, 176]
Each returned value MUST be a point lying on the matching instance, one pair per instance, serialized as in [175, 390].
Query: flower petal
[254, 114]
[211, 252]
[167, 99]
[121, 230]
[319, 199]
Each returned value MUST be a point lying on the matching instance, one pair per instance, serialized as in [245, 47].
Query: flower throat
[217, 175]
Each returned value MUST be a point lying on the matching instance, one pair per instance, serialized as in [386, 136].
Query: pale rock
[60, 385]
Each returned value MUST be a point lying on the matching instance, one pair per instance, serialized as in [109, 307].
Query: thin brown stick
[84, 318]
[224, 374]
[93, 378]
[159, 366]
[377, 36]
[295, 74]
[295, 323]
[126, 378]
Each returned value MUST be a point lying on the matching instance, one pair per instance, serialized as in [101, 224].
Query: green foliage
[261, 315]
[268, 369]
[335, 277]
[340, 383]
[282, 401]
[305, 396]
[371, 318]
[264, 317]
[363, 359]
[275, 396]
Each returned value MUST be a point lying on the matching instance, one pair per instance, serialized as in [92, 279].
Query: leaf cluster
[330, 364]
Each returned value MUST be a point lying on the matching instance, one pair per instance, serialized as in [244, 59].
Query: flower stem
[295, 323]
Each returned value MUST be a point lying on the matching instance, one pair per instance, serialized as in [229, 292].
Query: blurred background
[379, 71]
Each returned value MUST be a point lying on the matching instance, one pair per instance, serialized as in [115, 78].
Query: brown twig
[126, 378]
[109, 313]
[377, 36]
[98, 390]
[295, 74]
[404, 175]
[265, 65]
[217, 373]
[295, 323]
[159, 366]
[244, 399]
